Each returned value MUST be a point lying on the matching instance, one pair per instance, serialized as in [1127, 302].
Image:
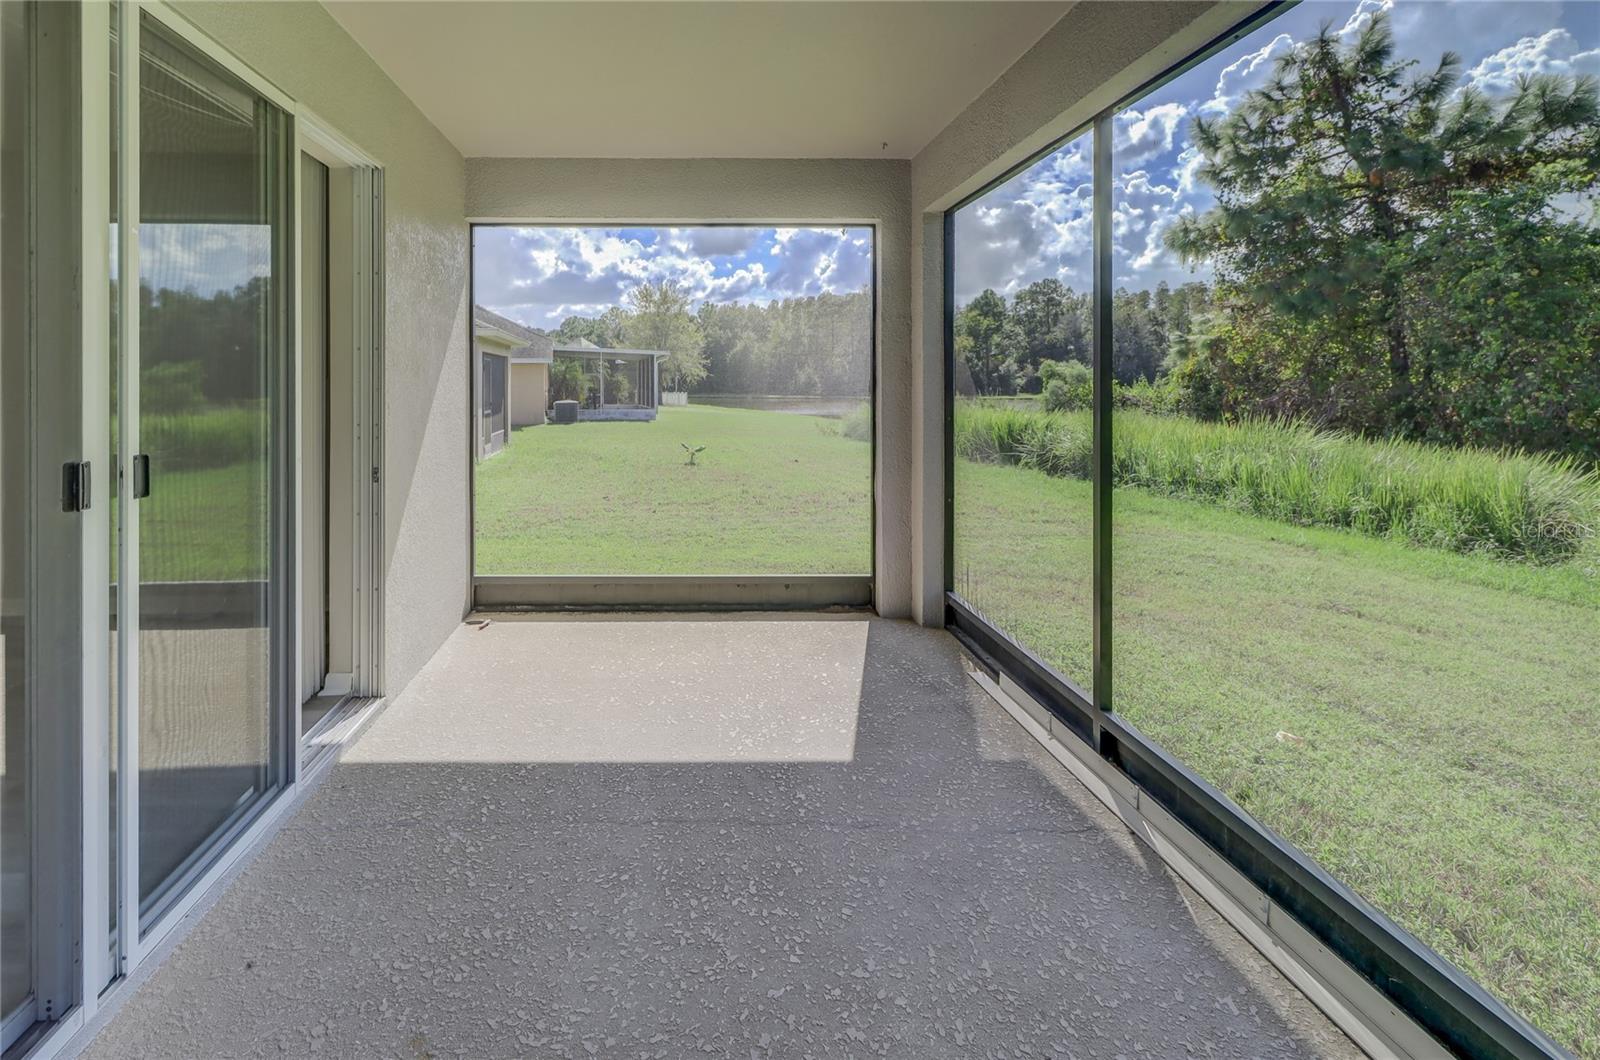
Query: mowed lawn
[772, 493]
[1449, 707]
[203, 524]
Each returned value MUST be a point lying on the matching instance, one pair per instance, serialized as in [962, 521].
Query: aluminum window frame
[142, 923]
[1441, 999]
[322, 141]
[674, 592]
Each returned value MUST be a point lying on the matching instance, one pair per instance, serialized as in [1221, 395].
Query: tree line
[1395, 254]
[819, 345]
[1005, 346]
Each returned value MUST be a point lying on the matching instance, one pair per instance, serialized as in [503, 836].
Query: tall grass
[211, 437]
[1516, 505]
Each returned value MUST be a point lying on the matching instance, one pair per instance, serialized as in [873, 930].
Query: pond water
[802, 405]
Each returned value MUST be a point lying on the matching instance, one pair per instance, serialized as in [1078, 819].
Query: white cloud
[1362, 16]
[1555, 51]
[1139, 136]
[716, 240]
[542, 275]
[814, 260]
[1249, 71]
[1142, 211]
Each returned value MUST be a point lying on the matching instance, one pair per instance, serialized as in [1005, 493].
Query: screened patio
[1125, 663]
[619, 384]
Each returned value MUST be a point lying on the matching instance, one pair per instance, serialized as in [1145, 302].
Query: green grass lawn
[1449, 706]
[204, 524]
[773, 493]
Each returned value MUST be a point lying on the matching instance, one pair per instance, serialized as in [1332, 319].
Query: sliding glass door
[147, 448]
[203, 415]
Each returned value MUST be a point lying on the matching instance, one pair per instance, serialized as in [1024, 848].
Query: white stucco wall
[1095, 55]
[301, 49]
[759, 191]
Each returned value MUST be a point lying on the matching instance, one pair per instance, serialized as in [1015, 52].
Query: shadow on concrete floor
[792, 836]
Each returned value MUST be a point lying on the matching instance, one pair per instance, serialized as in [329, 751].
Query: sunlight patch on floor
[685, 689]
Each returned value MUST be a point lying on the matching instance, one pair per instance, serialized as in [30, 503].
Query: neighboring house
[623, 384]
[512, 377]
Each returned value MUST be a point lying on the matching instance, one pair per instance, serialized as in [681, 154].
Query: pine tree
[1330, 176]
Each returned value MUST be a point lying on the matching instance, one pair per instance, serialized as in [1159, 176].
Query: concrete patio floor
[740, 836]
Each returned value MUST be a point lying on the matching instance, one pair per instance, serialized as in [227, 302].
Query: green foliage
[1365, 212]
[1510, 333]
[857, 425]
[1069, 387]
[1525, 507]
[171, 386]
[1007, 348]
[608, 330]
[619, 383]
[659, 319]
[819, 345]
[1066, 385]
[568, 380]
[204, 438]
[988, 343]
[220, 334]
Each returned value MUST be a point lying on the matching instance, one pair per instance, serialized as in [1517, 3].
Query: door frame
[315, 137]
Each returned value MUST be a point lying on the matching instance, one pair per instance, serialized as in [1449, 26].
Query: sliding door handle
[141, 475]
[75, 486]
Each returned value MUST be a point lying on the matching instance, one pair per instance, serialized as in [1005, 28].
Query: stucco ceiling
[669, 79]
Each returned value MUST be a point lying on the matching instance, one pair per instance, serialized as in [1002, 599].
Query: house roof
[527, 346]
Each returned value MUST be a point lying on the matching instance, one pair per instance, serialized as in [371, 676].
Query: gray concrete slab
[754, 836]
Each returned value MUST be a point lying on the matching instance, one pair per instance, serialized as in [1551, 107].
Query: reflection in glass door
[204, 479]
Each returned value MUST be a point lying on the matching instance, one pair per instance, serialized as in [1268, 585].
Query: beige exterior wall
[427, 450]
[530, 394]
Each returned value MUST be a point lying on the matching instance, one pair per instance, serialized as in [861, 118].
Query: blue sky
[1038, 224]
[542, 275]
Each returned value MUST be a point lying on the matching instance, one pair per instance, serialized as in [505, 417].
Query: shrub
[857, 423]
[1516, 505]
[568, 381]
[1067, 385]
[1162, 398]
